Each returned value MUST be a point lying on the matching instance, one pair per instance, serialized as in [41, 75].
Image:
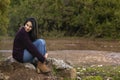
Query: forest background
[62, 18]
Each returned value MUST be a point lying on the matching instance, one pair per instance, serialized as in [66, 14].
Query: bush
[91, 18]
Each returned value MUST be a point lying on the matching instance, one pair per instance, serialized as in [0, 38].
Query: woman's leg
[27, 57]
[40, 45]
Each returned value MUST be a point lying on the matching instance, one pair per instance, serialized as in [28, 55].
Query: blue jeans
[40, 45]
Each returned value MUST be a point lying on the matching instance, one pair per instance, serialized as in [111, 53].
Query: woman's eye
[29, 26]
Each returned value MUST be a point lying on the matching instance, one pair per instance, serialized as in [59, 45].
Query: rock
[69, 63]
[59, 64]
[6, 77]
[10, 60]
[1, 76]
[29, 65]
[78, 78]
[62, 68]
[67, 73]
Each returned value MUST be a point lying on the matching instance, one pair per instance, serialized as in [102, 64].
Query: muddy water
[81, 57]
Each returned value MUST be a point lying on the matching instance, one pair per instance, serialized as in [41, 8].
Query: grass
[99, 72]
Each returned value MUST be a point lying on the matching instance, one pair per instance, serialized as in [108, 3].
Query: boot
[42, 67]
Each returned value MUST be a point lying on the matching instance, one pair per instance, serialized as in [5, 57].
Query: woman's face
[28, 26]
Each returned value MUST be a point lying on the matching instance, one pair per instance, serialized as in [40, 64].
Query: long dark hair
[34, 32]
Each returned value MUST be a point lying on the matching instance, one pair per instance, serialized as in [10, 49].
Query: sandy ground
[87, 57]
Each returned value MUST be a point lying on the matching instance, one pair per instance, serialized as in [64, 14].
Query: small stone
[6, 77]
[1, 76]
[78, 78]
[29, 65]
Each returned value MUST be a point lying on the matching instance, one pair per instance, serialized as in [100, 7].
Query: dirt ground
[83, 57]
[87, 57]
[83, 51]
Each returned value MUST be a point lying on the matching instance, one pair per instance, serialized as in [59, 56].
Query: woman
[27, 47]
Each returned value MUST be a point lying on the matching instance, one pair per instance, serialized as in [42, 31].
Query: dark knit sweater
[22, 41]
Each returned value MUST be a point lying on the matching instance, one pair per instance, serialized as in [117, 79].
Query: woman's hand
[46, 55]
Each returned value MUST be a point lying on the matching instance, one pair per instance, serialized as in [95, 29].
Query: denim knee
[42, 41]
[40, 45]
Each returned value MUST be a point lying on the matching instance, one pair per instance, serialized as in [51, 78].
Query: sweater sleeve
[31, 47]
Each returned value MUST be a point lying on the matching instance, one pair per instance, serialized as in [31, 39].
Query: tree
[91, 18]
[4, 5]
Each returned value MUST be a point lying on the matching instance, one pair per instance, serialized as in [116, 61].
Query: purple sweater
[22, 41]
